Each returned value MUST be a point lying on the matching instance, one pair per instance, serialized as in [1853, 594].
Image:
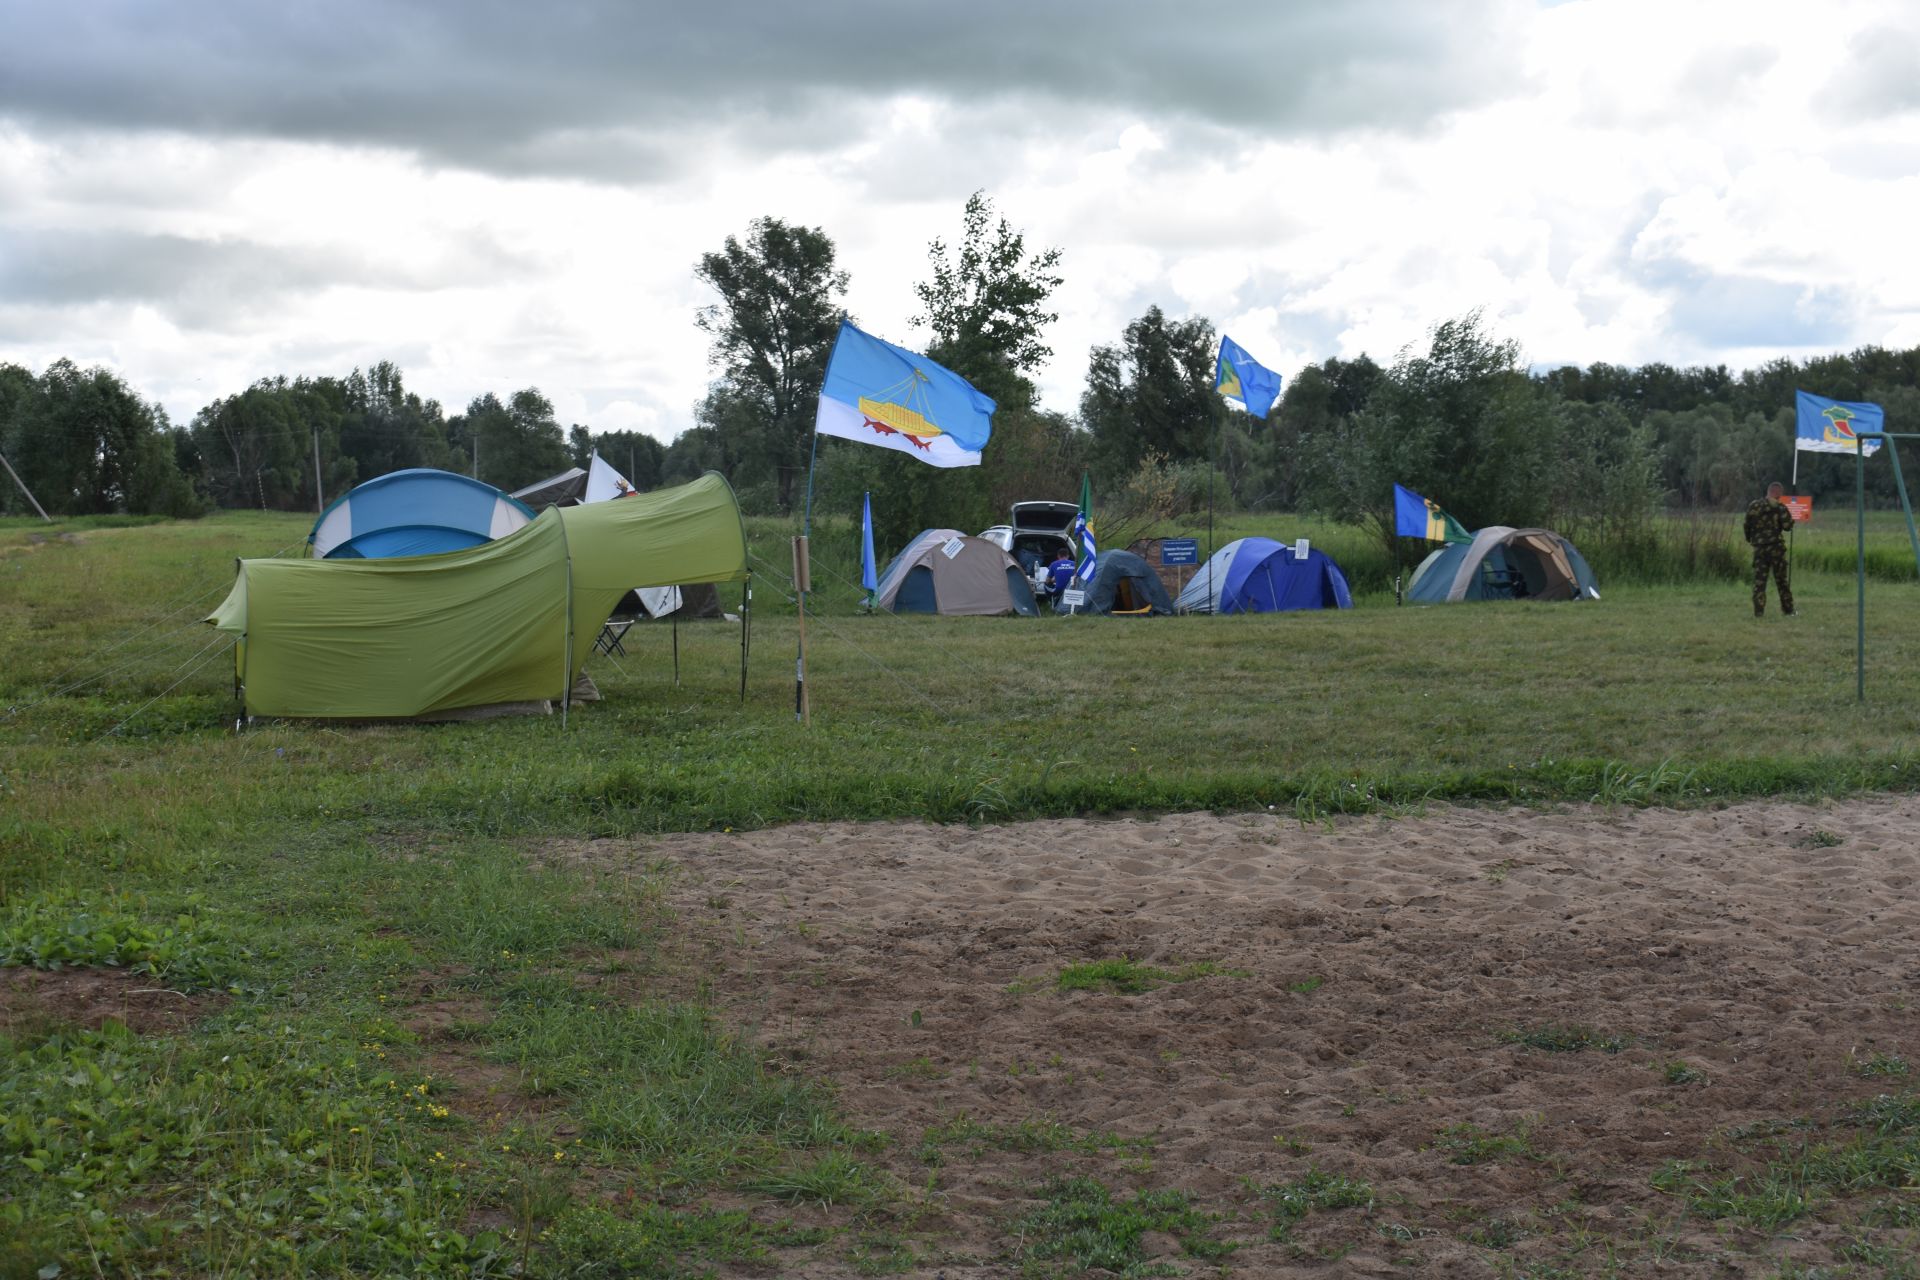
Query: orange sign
[1802, 508]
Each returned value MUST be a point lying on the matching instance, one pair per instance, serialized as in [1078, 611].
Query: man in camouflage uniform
[1768, 521]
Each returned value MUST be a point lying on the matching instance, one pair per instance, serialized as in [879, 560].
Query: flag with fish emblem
[1238, 376]
[881, 394]
[1830, 426]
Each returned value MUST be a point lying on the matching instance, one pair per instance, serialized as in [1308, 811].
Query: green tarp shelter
[506, 621]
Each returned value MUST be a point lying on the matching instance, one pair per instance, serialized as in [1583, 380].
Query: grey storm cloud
[208, 283]
[588, 86]
[1880, 77]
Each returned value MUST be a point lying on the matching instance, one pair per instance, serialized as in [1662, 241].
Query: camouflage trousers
[1774, 561]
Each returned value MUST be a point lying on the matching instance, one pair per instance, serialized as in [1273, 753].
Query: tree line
[1460, 417]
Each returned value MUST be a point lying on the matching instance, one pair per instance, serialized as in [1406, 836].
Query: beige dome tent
[946, 571]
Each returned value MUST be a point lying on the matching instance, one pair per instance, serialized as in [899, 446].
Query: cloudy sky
[497, 194]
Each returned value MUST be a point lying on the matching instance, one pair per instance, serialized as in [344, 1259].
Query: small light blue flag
[1829, 426]
[1238, 376]
[868, 578]
[881, 394]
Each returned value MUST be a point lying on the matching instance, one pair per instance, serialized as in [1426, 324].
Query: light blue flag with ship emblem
[881, 394]
[1238, 376]
[1829, 426]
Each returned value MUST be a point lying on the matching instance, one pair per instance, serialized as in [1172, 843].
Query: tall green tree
[85, 443]
[985, 305]
[772, 330]
[1460, 422]
[385, 427]
[515, 443]
[1152, 394]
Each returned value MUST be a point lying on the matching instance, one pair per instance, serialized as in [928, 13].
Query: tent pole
[746, 629]
[676, 648]
[801, 582]
[1213, 603]
[566, 659]
[1860, 572]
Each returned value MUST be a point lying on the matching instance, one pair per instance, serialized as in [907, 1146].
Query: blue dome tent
[1259, 575]
[1122, 584]
[416, 512]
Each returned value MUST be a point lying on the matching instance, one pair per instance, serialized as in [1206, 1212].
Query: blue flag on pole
[1418, 517]
[868, 578]
[881, 394]
[1238, 376]
[1821, 425]
[1083, 530]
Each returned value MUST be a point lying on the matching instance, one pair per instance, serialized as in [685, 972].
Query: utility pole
[23, 488]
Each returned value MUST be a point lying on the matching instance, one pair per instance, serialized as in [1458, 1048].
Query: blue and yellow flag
[881, 394]
[1828, 426]
[1238, 376]
[1418, 517]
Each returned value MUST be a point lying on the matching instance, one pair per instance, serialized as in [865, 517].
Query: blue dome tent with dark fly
[1503, 563]
[416, 512]
[1259, 575]
[1122, 584]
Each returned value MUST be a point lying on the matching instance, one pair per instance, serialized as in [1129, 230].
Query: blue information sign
[1180, 551]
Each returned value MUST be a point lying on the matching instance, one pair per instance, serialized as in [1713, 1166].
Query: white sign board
[1300, 549]
[1073, 598]
[952, 547]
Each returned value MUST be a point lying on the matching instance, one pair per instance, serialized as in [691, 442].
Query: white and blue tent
[1259, 575]
[416, 512]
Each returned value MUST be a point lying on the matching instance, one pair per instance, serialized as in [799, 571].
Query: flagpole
[1212, 604]
[802, 711]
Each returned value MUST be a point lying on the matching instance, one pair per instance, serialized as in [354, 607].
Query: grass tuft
[1132, 978]
[1082, 1227]
[1289, 1202]
[1558, 1038]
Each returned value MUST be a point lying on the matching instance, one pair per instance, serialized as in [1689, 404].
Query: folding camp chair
[611, 635]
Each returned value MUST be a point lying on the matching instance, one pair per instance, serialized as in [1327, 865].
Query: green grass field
[317, 885]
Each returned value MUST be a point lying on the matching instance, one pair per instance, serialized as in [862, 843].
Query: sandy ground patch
[1769, 947]
[33, 1000]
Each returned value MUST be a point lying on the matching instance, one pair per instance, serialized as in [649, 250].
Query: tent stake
[676, 648]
